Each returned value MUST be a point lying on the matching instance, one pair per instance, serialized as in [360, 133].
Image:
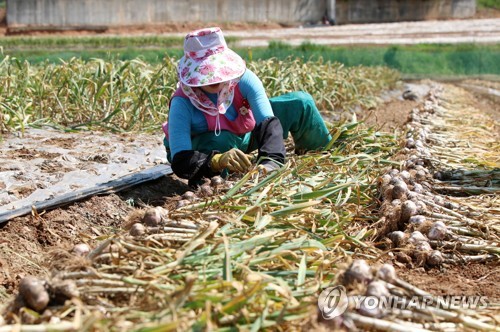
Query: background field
[431, 60]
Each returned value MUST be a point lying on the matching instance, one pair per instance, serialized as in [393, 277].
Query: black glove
[193, 165]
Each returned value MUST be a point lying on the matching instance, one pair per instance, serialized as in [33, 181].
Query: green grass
[489, 4]
[433, 60]
[88, 42]
[153, 56]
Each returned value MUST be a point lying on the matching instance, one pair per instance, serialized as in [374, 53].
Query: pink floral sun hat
[207, 59]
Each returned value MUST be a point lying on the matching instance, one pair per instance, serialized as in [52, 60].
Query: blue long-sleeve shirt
[185, 120]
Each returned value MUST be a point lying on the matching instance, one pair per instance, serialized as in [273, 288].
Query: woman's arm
[180, 118]
[252, 89]
[186, 163]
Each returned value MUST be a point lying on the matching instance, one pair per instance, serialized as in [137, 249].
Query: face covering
[200, 100]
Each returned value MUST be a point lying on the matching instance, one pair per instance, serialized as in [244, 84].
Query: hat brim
[216, 68]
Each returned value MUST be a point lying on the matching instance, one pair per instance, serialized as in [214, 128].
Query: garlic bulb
[137, 229]
[417, 237]
[437, 231]
[410, 143]
[411, 195]
[403, 258]
[359, 271]
[34, 293]
[400, 189]
[377, 288]
[385, 179]
[451, 205]
[398, 238]
[435, 258]
[405, 176]
[387, 273]
[387, 192]
[182, 202]
[422, 251]
[409, 164]
[369, 307]
[62, 290]
[417, 187]
[216, 181]
[421, 207]
[206, 190]
[420, 175]
[153, 216]
[81, 249]
[393, 172]
[408, 209]
[396, 202]
[438, 200]
[417, 220]
[423, 246]
[190, 196]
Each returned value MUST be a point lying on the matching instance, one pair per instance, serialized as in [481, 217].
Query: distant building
[95, 14]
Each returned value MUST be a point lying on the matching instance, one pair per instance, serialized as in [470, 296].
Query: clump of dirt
[467, 280]
[390, 115]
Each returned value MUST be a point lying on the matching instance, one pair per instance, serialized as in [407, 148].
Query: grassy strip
[152, 56]
[431, 60]
[488, 4]
[19, 43]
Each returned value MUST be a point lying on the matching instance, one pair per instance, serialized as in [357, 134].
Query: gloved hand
[234, 160]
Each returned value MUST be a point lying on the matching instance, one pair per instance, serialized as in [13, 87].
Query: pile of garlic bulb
[420, 225]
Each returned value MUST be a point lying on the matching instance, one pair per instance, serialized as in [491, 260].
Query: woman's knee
[305, 99]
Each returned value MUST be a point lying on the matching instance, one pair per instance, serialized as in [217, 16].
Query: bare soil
[466, 280]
